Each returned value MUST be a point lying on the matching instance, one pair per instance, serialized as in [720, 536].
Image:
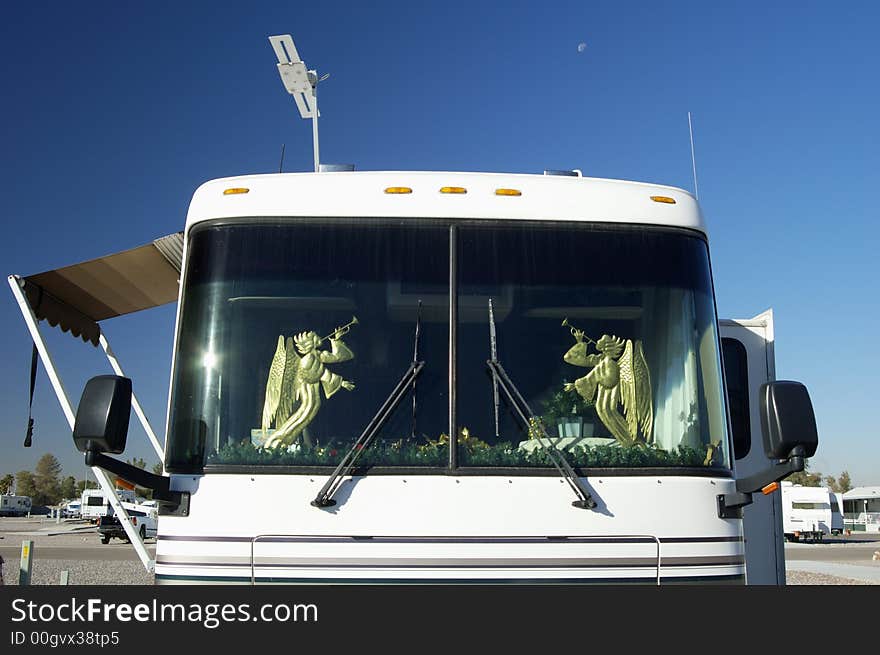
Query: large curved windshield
[294, 334]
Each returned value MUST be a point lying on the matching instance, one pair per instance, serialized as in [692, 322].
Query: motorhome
[806, 512]
[12, 505]
[95, 503]
[361, 371]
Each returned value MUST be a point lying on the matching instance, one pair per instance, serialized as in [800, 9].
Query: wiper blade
[325, 495]
[524, 412]
[530, 421]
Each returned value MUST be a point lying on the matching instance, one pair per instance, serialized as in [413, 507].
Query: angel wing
[635, 391]
[289, 384]
[273, 385]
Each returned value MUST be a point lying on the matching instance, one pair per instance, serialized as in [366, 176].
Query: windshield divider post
[325, 495]
[453, 346]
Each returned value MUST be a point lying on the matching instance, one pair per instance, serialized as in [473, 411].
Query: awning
[76, 297]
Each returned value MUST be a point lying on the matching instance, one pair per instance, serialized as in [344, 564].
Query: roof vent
[572, 173]
[335, 168]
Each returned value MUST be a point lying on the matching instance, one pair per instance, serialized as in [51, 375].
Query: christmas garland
[476, 454]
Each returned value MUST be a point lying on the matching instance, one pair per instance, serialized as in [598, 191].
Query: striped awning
[76, 297]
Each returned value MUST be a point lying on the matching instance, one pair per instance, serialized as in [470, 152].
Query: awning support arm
[30, 320]
[142, 417]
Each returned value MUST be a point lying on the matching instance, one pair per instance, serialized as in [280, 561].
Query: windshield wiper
[325, 495]
[530, 421]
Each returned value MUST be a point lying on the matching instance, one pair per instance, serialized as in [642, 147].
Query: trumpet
[342, 330]
[573, 329]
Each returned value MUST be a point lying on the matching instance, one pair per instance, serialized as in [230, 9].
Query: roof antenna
[693, 158]
[301, 83]
[281, 165]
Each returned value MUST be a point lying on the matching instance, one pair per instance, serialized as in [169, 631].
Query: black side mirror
[787, 419]
[790, 437]
[101, 424]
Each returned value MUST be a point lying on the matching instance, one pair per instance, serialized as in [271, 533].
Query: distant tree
[85, 484]
[46, 480]
[25, 485]
[158, 469]
[841, 484]
[805, 478]
[6, 483]
[68, 487]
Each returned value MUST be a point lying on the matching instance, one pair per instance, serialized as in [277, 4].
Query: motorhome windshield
[293, 333]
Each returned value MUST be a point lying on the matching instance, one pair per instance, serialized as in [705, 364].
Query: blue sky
[113, 113]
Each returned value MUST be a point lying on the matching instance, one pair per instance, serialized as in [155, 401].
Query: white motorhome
[806, 512]
[95, 503]
[12, 505]
[360, 366]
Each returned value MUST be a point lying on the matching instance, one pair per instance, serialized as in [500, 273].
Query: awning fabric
[76, 297]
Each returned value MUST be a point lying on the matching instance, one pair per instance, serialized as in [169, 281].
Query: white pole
[315, 124]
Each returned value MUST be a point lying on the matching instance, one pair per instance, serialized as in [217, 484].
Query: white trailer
[95, 503]
[360, 364]
[12, 505]
[806, 512]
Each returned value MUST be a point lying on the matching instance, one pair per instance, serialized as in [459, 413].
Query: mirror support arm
[730, 505]
[159, 484]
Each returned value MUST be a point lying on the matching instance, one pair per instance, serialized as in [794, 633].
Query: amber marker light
[453, 189]
[664, 199]
[234, 191]
[770, 488]
[398, 189]
[508, 192]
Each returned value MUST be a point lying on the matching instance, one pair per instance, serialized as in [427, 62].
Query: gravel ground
[48, 572]
[808, 578]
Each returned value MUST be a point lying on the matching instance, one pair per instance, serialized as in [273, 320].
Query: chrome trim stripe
[441, 540]
[451, 563]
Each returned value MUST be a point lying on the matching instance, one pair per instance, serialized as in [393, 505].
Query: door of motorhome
[749, 362]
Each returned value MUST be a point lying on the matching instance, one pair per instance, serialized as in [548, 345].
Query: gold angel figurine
[615, 379]
[296, 376]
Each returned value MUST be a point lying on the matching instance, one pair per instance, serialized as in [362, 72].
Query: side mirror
[790, 437]
[101, 424]
[787, 419]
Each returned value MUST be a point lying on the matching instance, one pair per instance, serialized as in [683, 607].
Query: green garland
[431, 455]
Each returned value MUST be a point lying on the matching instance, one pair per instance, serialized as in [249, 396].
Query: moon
[582, 46]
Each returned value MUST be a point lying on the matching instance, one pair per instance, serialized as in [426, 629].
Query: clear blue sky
[113, 113]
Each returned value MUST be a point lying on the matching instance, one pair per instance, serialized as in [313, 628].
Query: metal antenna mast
[300, 82]
[693, 158]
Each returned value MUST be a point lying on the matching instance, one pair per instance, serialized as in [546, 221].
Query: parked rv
[95, 503]
[806, 512]
[11, 505]
[371, 350]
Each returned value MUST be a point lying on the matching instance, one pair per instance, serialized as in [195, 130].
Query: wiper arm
[325, 495]
[528, 418]
[524, 412]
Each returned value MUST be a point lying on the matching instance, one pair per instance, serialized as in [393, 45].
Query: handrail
[375, 538]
